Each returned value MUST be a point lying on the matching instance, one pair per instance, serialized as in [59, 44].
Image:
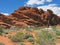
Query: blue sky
[8, 6]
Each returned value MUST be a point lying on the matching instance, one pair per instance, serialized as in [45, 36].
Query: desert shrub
[58, 32]
[1, 31]
[2, 43]
[31, 40]
[21, 44]
[54, 28]
[44, 37]
[12, 27]
[28, 29]
[28, 35]
[31, 28]
[17, 37]
[6, 32]
[37, 28]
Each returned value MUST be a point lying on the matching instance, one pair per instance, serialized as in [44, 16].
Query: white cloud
[49, 0]
[37, 2]
[53, 7]
[5, 14]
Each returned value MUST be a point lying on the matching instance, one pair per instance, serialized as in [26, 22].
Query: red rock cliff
[27, 16]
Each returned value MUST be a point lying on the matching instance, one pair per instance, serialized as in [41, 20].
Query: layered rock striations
[28, 16]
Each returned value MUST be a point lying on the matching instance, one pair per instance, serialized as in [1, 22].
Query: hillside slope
[28, 16]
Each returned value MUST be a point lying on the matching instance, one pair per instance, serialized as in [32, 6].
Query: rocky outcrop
[27, 16]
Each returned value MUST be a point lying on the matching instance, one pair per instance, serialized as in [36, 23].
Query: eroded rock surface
[28, 16]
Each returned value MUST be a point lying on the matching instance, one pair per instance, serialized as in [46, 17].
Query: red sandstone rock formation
[27, 16]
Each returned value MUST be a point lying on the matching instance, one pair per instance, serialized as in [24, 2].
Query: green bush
[21, 44]
[31, 40]
[54, 28]
[1, 30]
[6, 32]
[28, 35]
[28, 29]
[0, 33]
[17, 37]
[57, 32]
[44, 37]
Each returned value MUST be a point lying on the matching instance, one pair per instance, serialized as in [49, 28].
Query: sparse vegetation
[17, 37]
[31, 40]
[37, 35]
[21, 44]
[54, 28]
[1, 31]
[28, 36]
[6, 32]
[44, 37]
[58, 32]
[2, 43]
